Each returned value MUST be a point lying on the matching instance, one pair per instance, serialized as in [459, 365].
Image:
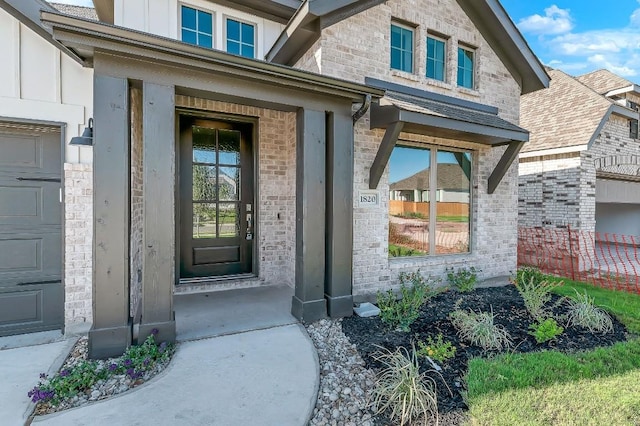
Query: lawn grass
[400, 251]
[588, 388]
[458, 219]
[624, 306]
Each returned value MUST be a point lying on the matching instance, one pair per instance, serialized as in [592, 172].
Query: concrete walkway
[265, 377]
[257, 376]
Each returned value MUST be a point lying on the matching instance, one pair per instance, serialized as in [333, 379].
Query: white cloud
[555, 21]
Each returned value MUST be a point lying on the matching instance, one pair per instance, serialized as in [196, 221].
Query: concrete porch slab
[219, 313]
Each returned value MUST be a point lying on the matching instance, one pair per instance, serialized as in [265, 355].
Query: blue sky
[579, 36]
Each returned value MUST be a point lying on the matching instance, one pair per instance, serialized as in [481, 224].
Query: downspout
[363, 109]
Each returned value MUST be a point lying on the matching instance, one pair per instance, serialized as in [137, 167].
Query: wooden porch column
[110, 333]
[339, 215]
[159, 178]
[308, 302]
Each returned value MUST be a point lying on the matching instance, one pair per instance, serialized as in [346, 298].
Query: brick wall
[276, 171]
[343, 52]
[137, 220]
[78, 239]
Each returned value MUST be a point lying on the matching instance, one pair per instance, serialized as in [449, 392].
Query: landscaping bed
[369, 334]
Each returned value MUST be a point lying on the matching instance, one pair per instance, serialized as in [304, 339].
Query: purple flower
[64, 373]
[113, 366]
[146, 361]
[155, 331]
[163, 347]
[43, 375]
[128, 362]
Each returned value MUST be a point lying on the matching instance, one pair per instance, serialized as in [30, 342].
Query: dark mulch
[510, 312]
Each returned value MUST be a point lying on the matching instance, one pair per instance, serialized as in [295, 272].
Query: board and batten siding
[38, 82]
[162, 17]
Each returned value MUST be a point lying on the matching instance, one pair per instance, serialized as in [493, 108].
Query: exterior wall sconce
[87, 136]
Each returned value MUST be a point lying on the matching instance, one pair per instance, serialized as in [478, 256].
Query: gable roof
[489, 17]
[450, 177]
[604, 81]
[79, 11]
[568, 114]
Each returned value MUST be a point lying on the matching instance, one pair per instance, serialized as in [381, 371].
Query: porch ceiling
[85, 38]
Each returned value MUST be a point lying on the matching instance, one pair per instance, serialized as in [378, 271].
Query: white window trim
[214, 24]
[225, 18]
[446, 56]
[413, 47]
[474, 71]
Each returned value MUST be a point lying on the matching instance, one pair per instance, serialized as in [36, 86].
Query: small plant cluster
[464, 280]
[544, 330]
[135, 362]
[415, 291]
[402, 388]
[535, 290]
[480, 329]
[584, 313]
[437, 349]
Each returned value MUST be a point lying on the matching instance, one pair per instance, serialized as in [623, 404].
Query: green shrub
[535, 294]
[479, 329]
[545, 330]
[400, 387]
[403, 312]
[437, 349]
[582, 312]
[464, 280]
[68, 382]
[526, 274]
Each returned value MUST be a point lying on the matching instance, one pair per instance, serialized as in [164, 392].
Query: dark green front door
[216, 192]
[31, 293]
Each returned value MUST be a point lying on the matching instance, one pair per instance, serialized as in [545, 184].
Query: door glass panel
[229, 185]
[229, 147]
[204, 183]
[204, 145]
[229, 220]
[204, 220]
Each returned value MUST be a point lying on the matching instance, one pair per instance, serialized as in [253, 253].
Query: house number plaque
[368, 198]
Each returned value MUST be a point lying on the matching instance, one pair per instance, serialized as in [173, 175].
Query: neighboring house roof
[78, 11]
[604, 81]
[451, 177]
[569, 114]
[488, 16]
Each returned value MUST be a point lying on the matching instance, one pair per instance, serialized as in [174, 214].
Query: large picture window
[425, 218]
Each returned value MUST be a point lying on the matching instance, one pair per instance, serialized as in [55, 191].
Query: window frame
[444, 42]
[633, 128]
[181, 27]
[460, 67]
[412, 31]
[225, 29]
[433, 195]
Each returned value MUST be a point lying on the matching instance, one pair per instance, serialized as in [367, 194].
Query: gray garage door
[31, 296]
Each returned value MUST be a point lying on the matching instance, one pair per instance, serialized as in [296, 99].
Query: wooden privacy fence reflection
[399, 208]
[605, 260]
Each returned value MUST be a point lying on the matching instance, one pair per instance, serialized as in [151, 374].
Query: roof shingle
[77, 11]
[603, 81]
[566, 114]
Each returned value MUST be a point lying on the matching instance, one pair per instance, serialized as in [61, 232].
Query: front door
[216, 198]
[31, 293]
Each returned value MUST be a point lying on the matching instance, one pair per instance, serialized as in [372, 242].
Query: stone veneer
[343, 52]
[78, 238]
[276, 172]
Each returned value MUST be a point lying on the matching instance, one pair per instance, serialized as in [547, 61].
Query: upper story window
[401, 48]
[241, 38]
[466, 59]
[196, 27]
[633, 129]
[436, 49]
